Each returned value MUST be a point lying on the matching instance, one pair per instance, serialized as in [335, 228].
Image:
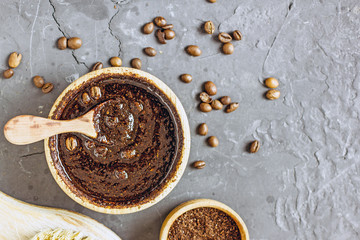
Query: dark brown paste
[204, 224]
[138, 145]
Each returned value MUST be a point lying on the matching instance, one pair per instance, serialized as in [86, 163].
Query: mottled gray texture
[303, 183]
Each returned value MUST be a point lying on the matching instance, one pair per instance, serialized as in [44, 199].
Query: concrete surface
[303, 183]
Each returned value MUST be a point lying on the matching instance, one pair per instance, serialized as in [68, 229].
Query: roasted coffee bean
[271, 82]
[8, 73]
[186, 78]
[14, 59]
[212, 1]
[226, 100]
[231, 107]
[115, 62]
[160, 21]
[237, 35]
[48, 87]
[210, 88]
[148, 28]
[213, 141]
[74, 43]
[273, 94]
[136, 63]
[204, 97]
[209, 27]
[205, 107]
[100, 151]
[71, 143]
[160, 36]
[169, 34]
[199, 164]
[97, 66]
[85, 98]
[193, 50]
[228, 48]
[150, 51]
[203, 129]
[254, 146]
[224, 37]
[38, 81]
[216, 105]
[62, 43]
[168, 26]
[95, 92]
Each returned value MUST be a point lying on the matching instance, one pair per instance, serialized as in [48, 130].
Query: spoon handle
[25, 129]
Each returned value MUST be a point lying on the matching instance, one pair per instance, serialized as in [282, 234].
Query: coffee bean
[210, 88]
[212, 1]
[271, 82]
[71, 143]
[74, 43]
[136, 63]
[209, 27]
[203, 129]
[97, 66]
[231, 107]
[213, 141]
[205, 107]
[85, 98]
[148, 28]
[8, 73]
[169, 34]
[160, 21]
[226, 100]
[100, 151]
[95, 92]
[160, 36]
[199, 164]
[193, 50]
[186, 78]
[204, 97]
[254, 146]
[48, 87]
[216, 105]
[273, 94]
[14, 59]
[228, 48]
[150, 51]
[62, 43]
[237, 35]
[224, 37]
[115, 62]
[168, 26]
[38, 81]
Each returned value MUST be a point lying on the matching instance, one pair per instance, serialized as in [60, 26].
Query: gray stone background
[303, 183]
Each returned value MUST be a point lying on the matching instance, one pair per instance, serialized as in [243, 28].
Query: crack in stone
[31, 154]
[111, 31]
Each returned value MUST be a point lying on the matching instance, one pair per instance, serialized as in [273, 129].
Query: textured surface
[302, 184]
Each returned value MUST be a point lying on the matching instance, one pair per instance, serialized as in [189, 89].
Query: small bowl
[71, 191]
[197, 203]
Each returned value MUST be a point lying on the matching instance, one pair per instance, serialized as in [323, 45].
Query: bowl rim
[171, 183]
[197, 203]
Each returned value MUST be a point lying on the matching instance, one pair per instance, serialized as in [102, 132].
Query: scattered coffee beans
[38, 81]
[237, 35]
[216, 105]
[168, 26]
[48, 87]
[160, 21]
[210, 88]
[95, 92]
[71, 143]
[74, 43]
[209, 27]
[97, 66]
[199, 164]
[186, 78]
[273, 94]
[148, 28]
[160, 36]
[193, 50]
[150, 51]
[213, 141]
[136, 63]
[204, 97]
[226, 100]
[8, 73]
[205, 107]
[228, 48]
[203, 129]
[85, 98]
[271, 82]
[115, 62]
[232, 107]
[169, 34]
[254, 146]
[14, 59]
[224, 37]
[62, 43]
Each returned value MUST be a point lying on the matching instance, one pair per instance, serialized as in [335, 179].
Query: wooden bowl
[179, 169]
[197, 203]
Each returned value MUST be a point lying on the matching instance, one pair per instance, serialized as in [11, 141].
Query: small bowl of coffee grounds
[203, 219]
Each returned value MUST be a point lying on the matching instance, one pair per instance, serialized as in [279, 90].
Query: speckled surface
[303, 183]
